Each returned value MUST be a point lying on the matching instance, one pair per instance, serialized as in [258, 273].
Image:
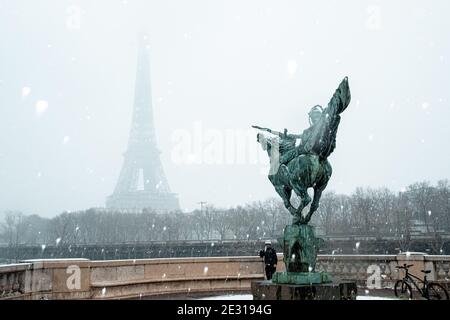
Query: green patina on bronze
[297, 167]
[300, 248]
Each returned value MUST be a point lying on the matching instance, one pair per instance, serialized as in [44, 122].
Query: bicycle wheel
[403, 290]
[437, 292]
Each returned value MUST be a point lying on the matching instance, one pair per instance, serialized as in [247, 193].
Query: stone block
[102, 274]
[71, 279]
[39, 280]
[266, 290]
[131, 273]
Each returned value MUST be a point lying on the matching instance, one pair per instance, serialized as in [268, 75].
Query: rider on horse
[287, 148]
[297, 168]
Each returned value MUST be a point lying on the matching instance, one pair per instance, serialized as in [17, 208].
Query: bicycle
[429, 290]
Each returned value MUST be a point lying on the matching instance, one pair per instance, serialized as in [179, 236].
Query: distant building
[142, 182]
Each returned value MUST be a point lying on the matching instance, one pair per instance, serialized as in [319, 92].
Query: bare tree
[221, 225]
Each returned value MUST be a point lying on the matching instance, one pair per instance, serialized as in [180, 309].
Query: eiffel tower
[142, 182]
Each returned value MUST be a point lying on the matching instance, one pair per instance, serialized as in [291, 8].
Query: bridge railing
[121, 279]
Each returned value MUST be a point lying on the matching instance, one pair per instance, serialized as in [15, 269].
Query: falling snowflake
[43, 247]
[41, 107]
[205, 270]
[26, 91]
[357, 245]
[103, 291]
[58, 241]
[66, 139]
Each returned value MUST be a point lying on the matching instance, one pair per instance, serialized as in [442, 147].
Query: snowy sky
[67, 71]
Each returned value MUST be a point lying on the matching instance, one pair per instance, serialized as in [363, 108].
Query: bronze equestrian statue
[303, 166]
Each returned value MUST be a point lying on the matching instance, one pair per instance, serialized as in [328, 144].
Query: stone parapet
[122, 279]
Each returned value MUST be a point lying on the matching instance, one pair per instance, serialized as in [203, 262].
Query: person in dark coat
[270, 259]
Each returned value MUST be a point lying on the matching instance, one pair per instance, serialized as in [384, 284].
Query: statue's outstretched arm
[270, 131]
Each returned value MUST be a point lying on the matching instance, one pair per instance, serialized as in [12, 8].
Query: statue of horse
[306, 166]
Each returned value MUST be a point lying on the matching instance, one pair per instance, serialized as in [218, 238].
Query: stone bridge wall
[121, 279]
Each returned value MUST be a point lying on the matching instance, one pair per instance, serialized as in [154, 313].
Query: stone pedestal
[300, 247]
[301, 278]
[267, 290]
[300, 281]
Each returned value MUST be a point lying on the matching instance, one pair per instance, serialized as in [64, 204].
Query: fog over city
[67, 81]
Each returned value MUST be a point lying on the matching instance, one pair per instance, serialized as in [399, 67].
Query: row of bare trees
[380, 212]
[253, 221]
[367, 212]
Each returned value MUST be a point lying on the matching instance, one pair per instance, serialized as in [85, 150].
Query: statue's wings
[323, 138]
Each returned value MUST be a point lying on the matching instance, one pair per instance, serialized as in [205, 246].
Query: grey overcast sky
[67, 71]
